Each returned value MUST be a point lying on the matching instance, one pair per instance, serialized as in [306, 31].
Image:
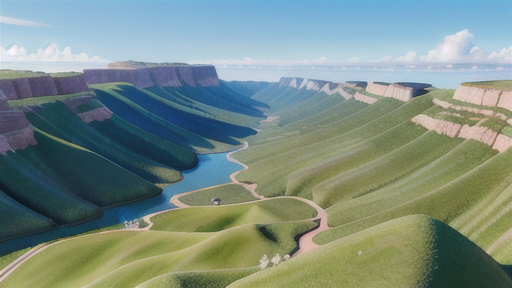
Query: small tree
[276, 260]
[264, 262]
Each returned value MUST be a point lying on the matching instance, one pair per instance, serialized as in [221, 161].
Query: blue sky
[474, 34]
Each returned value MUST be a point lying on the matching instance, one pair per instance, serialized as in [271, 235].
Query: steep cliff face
[440, 126]
[42, 86]
[140, 78]
[484, 96]
[165, 76]
[206, 76]
[392, 90]
[70, 85]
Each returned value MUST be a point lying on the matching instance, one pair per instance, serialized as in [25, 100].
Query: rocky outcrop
[498, 142]
[70, 85]
[186, 75]
[4, 145]
[98, 114]
[42, 86]
[366, 99]
[485, 112]
[502, 143]
[484, 96]
[392, 90]
[12, 120]
[20, 139]
[482, 134]
[440, 126]
[506, 100]
[327, 87]
[338, 88]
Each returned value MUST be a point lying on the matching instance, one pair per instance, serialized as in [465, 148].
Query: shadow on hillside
[297, 237]
[507, 269]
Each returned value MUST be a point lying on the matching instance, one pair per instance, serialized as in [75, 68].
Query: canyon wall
[484, 96]
[15, 131]
[21, 88]
[70, 85]
[191, 75]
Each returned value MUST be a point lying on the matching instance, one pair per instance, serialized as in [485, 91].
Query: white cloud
[505, 56]
[20, 22]
[49, 54]
[455, 49]
[386, 58]
[409, 57]
[353, 59]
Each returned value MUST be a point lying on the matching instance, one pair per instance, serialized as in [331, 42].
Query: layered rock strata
[392, 90]
[484, 96]
[498, 142]
[330, 88]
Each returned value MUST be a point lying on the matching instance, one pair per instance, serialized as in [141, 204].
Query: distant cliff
[327, 87]
[43, 85]
[143, 76]
[403, 91]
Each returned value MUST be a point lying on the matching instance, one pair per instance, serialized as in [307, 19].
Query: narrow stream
[213, 169]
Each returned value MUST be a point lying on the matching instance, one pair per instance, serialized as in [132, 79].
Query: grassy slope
[412, 251]
[50, 184]
[57, 119]
[129, 258]
[369, 165]
[229, 194]
[144, 119]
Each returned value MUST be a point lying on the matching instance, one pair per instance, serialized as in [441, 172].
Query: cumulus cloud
[409, 57]
[353, 59]
[51, 53]
[459, 48]
[21, 22]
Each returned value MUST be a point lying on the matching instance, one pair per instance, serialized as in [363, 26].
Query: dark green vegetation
[98, 148]
[229, 194]
[161, 255]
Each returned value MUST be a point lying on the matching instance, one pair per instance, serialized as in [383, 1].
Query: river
[213, 169]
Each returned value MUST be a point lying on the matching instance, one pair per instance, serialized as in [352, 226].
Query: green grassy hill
[130, 258]
[412, 251]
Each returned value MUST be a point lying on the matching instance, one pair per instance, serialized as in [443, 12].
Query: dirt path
[269, 119]
[507, 236]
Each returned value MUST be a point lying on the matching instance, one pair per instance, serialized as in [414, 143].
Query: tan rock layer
[366, 99]
[376, 89]
[392, 90]
[484, 96]
[440, 126]
[502, 143]
[485, 112]
[477, 133]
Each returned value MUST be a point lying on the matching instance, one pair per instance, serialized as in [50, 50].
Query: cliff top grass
[46, 99]
[65, 74]
[499, 84]
[16, 74]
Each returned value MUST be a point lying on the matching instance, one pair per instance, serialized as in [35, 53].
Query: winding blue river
[213, 169]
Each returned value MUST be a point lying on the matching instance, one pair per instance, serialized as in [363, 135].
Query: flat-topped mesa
[70, 84]
[143, 75]
[485, 95]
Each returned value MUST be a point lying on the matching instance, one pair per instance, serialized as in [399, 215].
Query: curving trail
[306, 243]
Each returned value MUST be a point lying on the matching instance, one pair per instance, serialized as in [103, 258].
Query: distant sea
[446, 79]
